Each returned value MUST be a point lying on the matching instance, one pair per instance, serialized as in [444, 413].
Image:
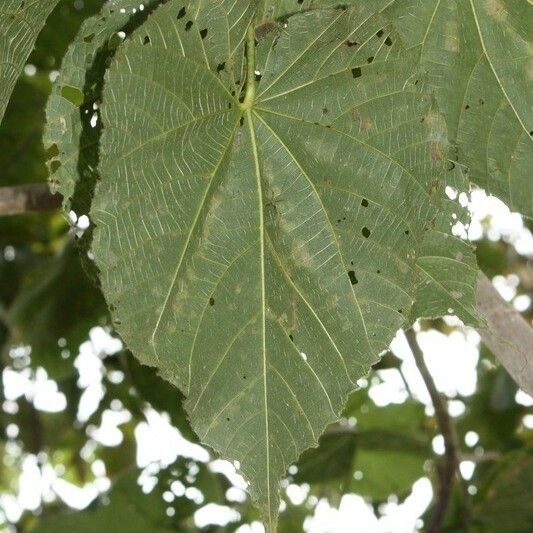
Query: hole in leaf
[350, 43]
[366, 232]
[356, 72]
[182, 13]
[72, 94]
[370, 59]
[188, 26]
[203, 33]
[380, 33]
[353, 279]
[211, 301]
[388, 41]
[146, 40]
[89, 38]
[364, 202]
[54, 165]
[221, 66]
[53, 151]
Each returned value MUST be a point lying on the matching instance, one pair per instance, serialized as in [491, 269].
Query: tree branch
[451, 449]
[27, 198]
[507, 334]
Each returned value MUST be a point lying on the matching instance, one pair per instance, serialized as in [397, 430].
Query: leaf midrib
[260, 200]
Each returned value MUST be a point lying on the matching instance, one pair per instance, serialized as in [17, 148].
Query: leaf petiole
[250, 67]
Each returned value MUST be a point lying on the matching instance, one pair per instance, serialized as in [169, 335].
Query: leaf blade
[20, 25]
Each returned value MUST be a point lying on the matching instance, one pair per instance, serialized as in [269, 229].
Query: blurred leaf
[504, 503]
[492, 412]
[492, 257]
[161, 395]
[56, 301]
[126, 508]
[383, 454]
[129, 510]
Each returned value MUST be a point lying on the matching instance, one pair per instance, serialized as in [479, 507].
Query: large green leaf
[478, 55]
[257, 243]
[20, 24]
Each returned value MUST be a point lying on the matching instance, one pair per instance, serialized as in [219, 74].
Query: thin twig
[27, 198]
[450, 468]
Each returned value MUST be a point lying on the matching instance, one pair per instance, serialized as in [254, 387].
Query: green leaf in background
[504, 502]
[161, 395]
[56, 300]
[478, 55]
[383, 453]
[125, 509]
[257, 244]
[20, 24]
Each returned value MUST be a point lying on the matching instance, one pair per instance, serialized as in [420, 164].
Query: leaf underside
[479, 58]
[20, 24]
[261, 258]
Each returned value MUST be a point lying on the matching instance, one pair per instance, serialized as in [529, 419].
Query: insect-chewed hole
[353, 279]
[356, 72]
[366, 232]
